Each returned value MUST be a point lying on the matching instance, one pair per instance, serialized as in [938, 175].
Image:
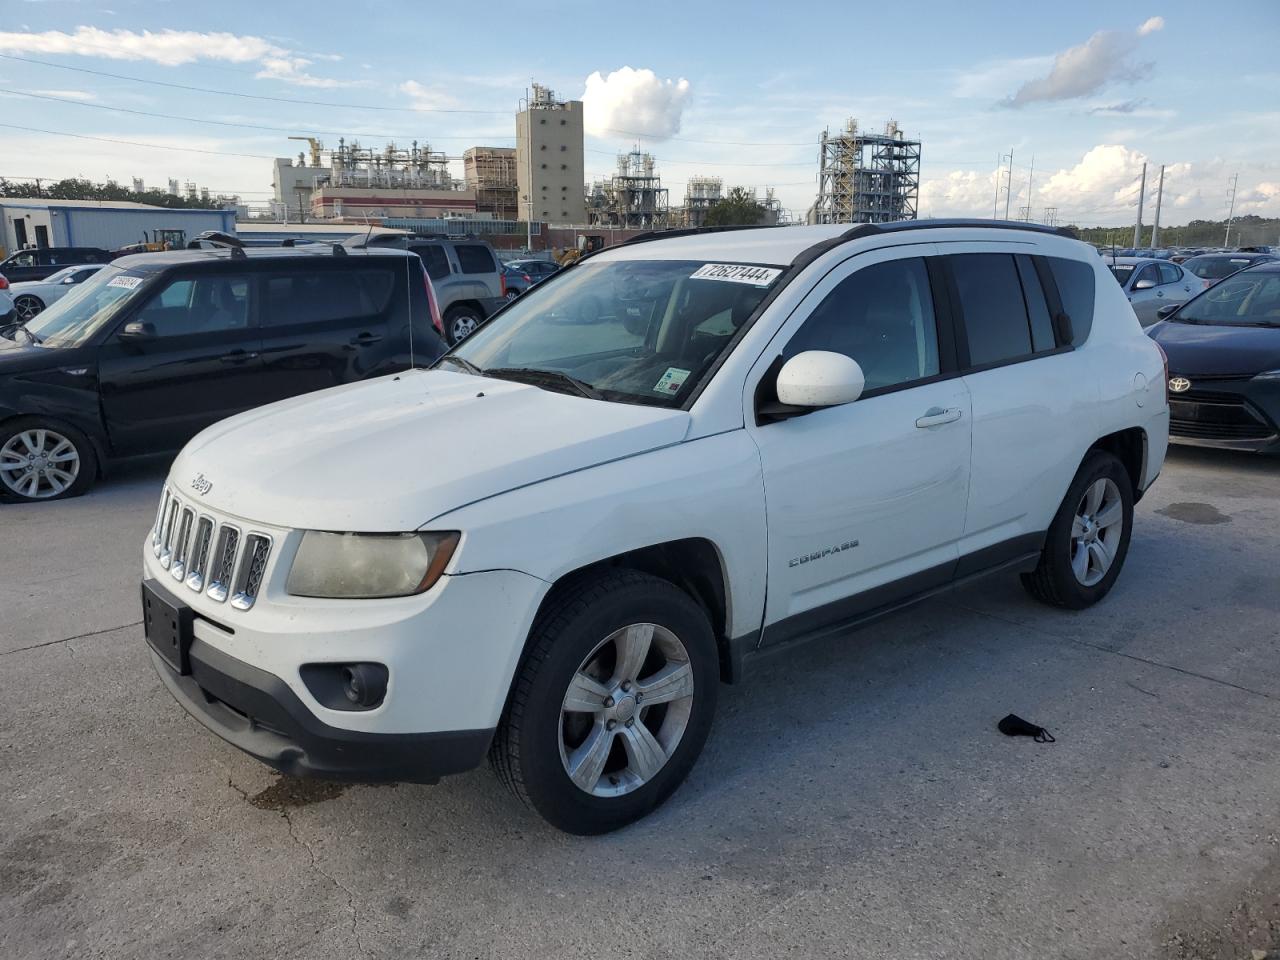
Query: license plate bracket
[167, 623]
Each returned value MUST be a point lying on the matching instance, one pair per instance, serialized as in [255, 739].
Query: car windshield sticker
[671, 381]
[737, 273]
[127, 282]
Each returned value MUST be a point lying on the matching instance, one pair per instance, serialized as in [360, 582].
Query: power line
[135, 143]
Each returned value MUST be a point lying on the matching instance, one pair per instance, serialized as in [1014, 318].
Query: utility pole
[302, 214]
[1008, 188]
[1030, 178]
[1137, 227]
[995, 201]
[1155, 229]
[1231, 209]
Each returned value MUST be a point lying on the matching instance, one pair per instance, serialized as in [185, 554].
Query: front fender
[709, 488]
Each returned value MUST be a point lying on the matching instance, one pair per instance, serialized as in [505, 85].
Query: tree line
[74, 188]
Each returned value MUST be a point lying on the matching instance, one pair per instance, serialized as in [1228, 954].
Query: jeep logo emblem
[200, 485]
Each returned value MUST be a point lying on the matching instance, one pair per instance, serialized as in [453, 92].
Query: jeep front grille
[210, 554]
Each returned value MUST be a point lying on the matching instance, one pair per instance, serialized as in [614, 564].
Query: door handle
[936, 416]
[238, 356]
[364, 339]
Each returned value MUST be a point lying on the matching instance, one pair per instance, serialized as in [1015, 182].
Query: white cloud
[1078, 71]
[1151, 26]
[170, 48]
[67, 94]
[634, 101]
[428, 98]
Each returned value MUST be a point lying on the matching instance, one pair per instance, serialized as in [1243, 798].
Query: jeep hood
[392, 454]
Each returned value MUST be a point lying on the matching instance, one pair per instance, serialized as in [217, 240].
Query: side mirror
[137, 330]
[1144, 285]
[67, 280]
[820, 378]
[1168, 310]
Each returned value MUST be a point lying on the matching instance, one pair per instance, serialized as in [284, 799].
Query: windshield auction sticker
[737, 273]
[127, 282]
[671, 381]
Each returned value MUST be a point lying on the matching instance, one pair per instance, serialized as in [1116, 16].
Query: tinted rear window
[473, 258]
[435, 259]
[1215, 268]
[995, 317]
[1075, 288]
[319, 296]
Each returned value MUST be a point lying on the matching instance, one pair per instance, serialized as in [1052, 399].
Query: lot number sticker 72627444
[737, 273]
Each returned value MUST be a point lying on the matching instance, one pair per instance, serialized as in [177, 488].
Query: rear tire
[1088, 539]
[27, 306]
[580, 688]
[460, 323]
[43, 459]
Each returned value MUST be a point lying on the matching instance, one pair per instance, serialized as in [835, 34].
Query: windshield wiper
[30, 336]
[539, 377]
[466, 365]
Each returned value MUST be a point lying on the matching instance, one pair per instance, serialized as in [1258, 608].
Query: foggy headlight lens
[369, 565]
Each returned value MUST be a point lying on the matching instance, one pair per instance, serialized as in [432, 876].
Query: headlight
[369, 565]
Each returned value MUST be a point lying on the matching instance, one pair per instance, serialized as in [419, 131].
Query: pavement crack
[1149, 693]
[78, 636]
[244, 794]
[315, 865]
[1119, 653]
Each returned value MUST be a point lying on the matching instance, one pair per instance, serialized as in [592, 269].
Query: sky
[1080, 94]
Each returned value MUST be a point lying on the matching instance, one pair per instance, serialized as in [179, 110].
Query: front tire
[612, 703]
[44, 460]
[1088, 539]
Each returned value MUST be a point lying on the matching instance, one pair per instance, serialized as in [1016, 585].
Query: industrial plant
[867, 177]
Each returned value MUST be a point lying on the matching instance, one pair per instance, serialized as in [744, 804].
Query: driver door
[200, 362]
[1146, 301]
[865, 501]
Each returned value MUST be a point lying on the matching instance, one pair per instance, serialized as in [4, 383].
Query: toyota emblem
[1179, 384]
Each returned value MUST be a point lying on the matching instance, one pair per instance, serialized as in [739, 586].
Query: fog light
[346, 686]
[365, 684]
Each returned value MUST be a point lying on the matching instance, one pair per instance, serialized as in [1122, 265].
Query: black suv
[158, 346]
[46, 261]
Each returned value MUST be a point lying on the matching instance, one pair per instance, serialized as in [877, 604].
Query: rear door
[1032, 398]
[326, 321]
[200, 364]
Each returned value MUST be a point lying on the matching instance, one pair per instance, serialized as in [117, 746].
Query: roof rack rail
[861, 230]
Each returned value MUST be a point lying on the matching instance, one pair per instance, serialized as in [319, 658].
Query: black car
[1224, 363]
[156, 347]
[43, 262]
[1212, 267]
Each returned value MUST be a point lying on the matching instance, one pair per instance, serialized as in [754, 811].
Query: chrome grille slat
[198, 563]
[159, 524]
[253, 566]
[223, 564]
[182, 543]
[166, 543]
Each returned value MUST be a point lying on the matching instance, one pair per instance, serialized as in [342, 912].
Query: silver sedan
[32, 296]
[1151, 284]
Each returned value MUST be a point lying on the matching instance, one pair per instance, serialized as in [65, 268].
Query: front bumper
[259, 713]
[1228, 413]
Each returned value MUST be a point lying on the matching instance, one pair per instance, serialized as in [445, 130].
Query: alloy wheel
[1096, 531]
[39, 463]
[462, 326]
[27, 307]
[626, 710]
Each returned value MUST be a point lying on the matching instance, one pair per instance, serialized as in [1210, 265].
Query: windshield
[1247, 300]
[76, 317]
[1122, 271]
[639, 331]
[1215, 268]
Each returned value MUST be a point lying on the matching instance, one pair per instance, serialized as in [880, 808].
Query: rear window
[319, 296]
[995, 316]
[1076, 290]
[473, 258]
[1215, 268]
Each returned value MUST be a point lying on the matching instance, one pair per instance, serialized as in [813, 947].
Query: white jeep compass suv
[676, 458]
